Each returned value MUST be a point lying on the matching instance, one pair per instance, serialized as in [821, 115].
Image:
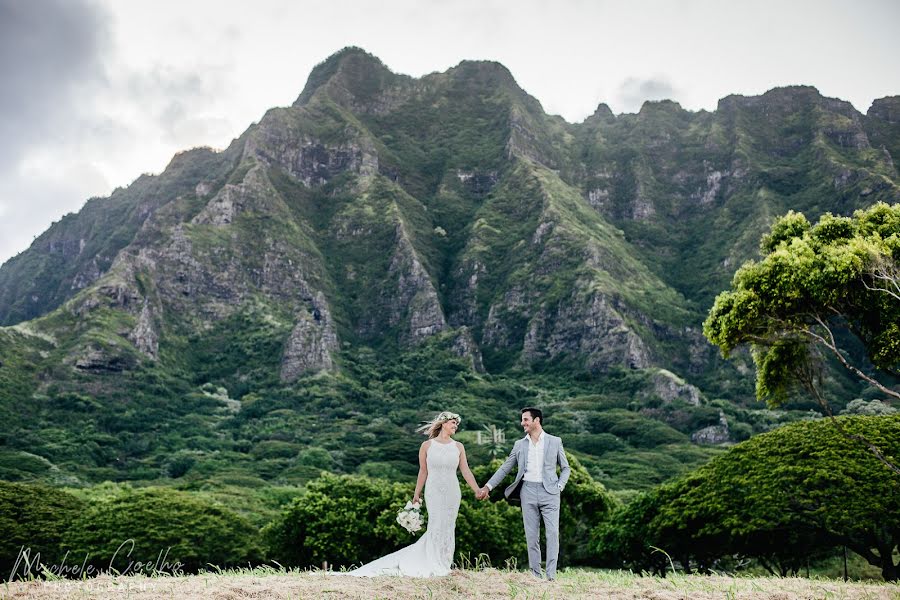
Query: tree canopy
[780, 497]
[137, 527]
[842, 271]
[820, 291]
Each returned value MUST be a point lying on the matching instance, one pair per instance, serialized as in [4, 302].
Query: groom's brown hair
[535, 413]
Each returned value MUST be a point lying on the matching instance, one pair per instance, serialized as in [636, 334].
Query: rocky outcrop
[464, 296]
[500, 327]
[700, 352]
[210, 267]
[112, 292]
[713, 434]
[144, 335]
[598, 198]
[312, 342]
[414, 299]
[464, 345]
[588, 329]
[713, 184]
[90, 273]
[308, 159]
[669, 387]
[641, 206]
[524, 140]
[886, 109]
[314, 163]
[479, 183]
[103, 359]
[232, 199]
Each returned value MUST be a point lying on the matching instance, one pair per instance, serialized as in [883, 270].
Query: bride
[439, 457]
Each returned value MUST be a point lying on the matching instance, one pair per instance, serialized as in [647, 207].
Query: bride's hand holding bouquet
[410, 517]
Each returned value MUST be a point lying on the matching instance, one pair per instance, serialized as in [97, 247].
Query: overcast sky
[93, 93]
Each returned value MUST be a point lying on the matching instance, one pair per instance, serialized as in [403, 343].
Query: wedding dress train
[432, 554]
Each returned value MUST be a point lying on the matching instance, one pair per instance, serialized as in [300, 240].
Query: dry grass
[489, 583]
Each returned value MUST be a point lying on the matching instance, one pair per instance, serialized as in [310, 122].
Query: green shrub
[33, 518]
[141, 525]
[315, 457]
[349, 520]
[636, 429]
[342, 520]
[594, 443]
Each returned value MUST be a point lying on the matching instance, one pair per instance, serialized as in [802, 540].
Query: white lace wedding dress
[432, 554]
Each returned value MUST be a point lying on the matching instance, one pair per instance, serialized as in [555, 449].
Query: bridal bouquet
[410, 518]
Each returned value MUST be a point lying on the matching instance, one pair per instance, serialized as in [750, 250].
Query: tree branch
[832, 345]
[888, 274]
[887, 290]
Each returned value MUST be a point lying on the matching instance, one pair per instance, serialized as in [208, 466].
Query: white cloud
[633, 92]
[122, 86]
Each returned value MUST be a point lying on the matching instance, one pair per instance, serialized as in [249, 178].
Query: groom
[537, 486]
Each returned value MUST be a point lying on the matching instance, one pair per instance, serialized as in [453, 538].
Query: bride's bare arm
[464, 468]
[423, 470]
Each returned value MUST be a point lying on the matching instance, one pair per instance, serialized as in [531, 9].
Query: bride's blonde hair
[433, 427]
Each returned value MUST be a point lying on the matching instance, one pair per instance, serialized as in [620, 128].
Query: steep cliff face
[312, 343]
[882, 126]
[693, 192]
[75, 251]
[381, 210]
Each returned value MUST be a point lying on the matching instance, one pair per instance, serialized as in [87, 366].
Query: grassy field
[489, 583]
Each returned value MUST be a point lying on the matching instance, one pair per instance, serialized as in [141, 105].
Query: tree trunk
[845, 563]
[884, 559]
[889, 570]
[768, 568]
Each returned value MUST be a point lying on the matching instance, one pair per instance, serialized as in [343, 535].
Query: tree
[781, 497]
[342, 520]
[625, 539]
[34, 520]
[349, 520]
[154, 525]
[816, 290]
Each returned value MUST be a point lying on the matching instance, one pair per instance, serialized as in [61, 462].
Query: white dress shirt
[534, 468]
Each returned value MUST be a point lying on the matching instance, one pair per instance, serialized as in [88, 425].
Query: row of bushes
[783, 499]
[342, 520]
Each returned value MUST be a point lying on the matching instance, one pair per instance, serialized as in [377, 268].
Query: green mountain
[387, 247]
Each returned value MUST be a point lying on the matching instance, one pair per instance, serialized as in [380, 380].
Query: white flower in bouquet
[410, 518]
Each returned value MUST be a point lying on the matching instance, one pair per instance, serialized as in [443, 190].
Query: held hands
[481, 493]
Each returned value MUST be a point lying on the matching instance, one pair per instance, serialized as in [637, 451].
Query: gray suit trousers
[537, 503]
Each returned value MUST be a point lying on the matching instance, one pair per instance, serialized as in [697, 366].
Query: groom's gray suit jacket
[553, 454]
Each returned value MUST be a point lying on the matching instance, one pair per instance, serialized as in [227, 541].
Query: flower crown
[448, 416]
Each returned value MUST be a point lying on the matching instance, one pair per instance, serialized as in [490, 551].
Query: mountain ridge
[382, 221]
